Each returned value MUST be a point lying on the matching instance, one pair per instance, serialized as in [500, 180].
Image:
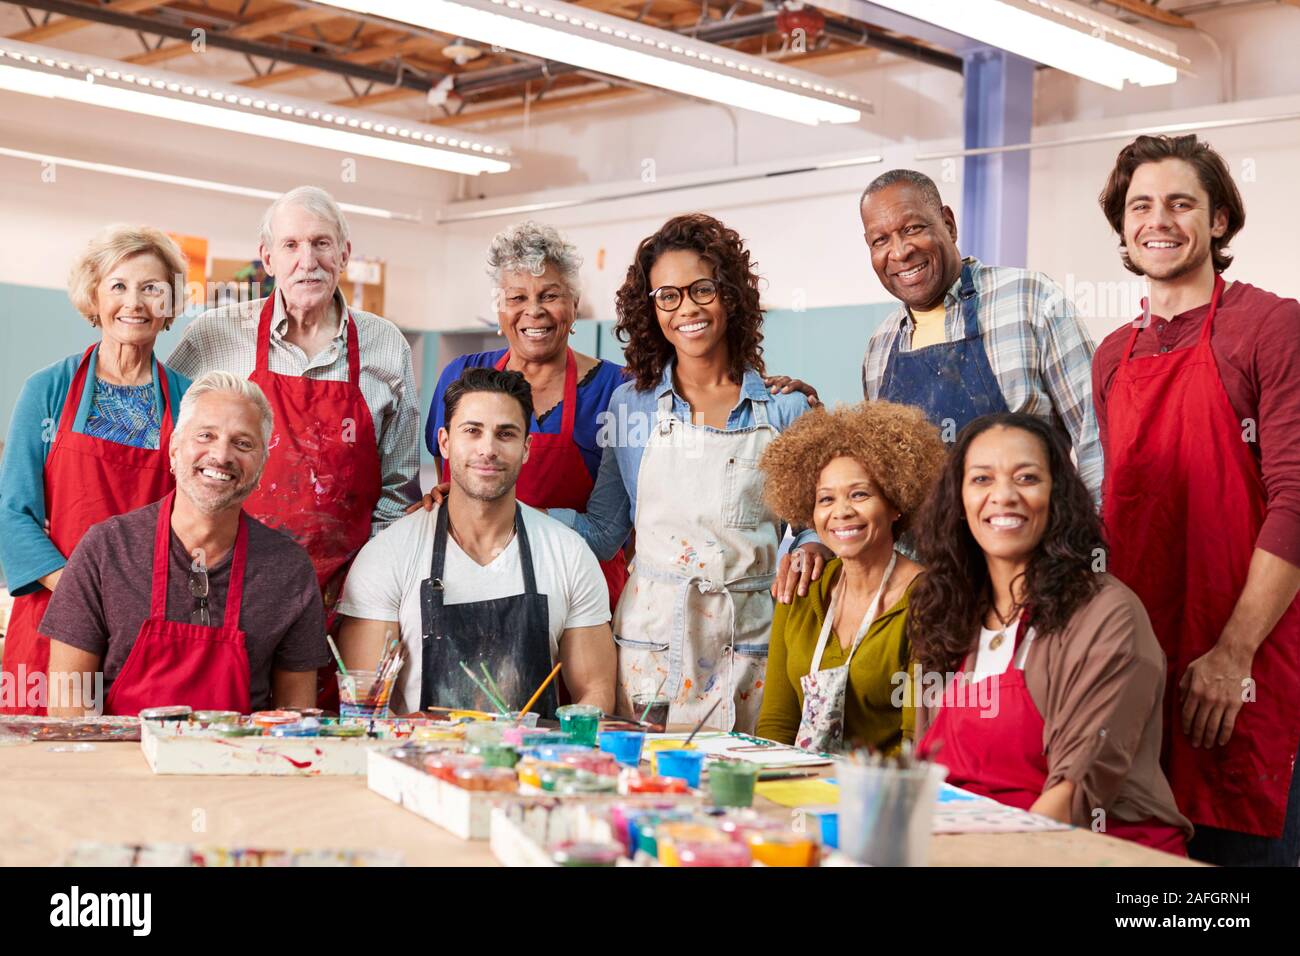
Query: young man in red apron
[1198, 402]
[259, 651]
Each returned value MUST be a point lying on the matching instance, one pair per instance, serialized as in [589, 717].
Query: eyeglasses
[199, 590]
[669, 297]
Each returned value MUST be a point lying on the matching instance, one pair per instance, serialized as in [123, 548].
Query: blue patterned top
[125, 414]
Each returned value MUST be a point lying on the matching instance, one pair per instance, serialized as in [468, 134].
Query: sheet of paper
[744, 747]
[800, 793]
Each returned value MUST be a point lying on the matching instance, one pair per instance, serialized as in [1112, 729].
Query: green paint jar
[731, 782]
[497, 755]
[581, 722]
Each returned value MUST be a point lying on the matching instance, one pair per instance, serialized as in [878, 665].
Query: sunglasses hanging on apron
[510, 635]
[821, 727]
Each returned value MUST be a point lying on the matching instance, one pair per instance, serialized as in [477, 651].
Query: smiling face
[305, 257]
[850, 514]
[536, 313]
[913, 245]
[691, 329]
[219, 453]
[1168, 222]
[484, 444]
[1007, 492]
[134, 301]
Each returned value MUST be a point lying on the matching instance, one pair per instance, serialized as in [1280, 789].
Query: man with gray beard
[232, 618]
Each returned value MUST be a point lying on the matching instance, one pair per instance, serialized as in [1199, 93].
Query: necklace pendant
[997, 640]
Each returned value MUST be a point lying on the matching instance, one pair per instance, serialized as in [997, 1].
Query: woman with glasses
[681, 444]
[88, 436]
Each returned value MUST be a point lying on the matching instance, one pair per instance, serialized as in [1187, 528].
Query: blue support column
[999, 111]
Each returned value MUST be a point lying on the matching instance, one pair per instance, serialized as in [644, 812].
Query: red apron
[1000, 756]
[1183, 502]
[175, 662]
[555, 475]
[86, 480]
[322, 479]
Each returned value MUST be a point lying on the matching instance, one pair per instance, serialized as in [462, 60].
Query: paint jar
[712, 854]
[343, 730]
[625, 745]
[307, 727]
[495, 779]
[516, 719]
[483, 734]
[637, 783]
[782, 848]
[581, 722]
[205, 718]
[274, 718]
[236, 730]
[525, 737]
[885, 812]
[592, 761]
[586, 783]
[549, 738]
[683, 764]
[444, 765]
[529, 772]
[553, 776]
[555, 753]
[163, 715]
[657, 746]
[497, 755]
[586, 854]
[670, 836]
[731, 782]
[311, 712]
[360, 695]
[655, 710]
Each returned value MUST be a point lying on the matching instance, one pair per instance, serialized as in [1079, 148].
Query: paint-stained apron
[86, 481]
[175, 662]
[951, 382]
[991, 741]
[322, 479]
[697, 610]
[510, 635]
[1183, 504]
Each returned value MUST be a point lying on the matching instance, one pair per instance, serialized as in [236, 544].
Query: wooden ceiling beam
[64, 25]
[282, 21]
[1151, 12]
[365, 56]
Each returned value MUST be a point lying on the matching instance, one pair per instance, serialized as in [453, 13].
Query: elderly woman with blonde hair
[838, 654]
[88, 438]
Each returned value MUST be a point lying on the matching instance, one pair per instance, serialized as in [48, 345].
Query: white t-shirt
[384, 583]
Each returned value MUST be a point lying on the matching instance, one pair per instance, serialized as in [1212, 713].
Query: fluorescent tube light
[57, 74]
[210, 185]
[630, 50]
[1056, 33]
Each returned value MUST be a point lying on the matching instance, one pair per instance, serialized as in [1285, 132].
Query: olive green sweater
[870, 716]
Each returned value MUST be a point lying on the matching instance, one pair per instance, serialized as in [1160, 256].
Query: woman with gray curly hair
[88, 438]
[534, 272]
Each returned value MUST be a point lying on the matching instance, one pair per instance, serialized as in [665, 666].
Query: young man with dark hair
[1199, 411]
[482, 583]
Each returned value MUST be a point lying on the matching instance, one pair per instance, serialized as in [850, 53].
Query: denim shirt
[625, 428]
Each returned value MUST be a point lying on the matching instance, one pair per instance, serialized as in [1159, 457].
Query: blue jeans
[1230, 848]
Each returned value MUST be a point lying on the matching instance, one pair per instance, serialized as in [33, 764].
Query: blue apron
[951, 382]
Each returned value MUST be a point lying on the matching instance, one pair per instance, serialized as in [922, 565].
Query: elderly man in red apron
[344, 457]
[1199, 408]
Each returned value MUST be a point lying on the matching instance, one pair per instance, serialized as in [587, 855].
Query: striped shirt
[226, 338]
[1039, 351]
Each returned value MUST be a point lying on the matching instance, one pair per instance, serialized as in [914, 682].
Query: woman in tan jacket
[1040, 678]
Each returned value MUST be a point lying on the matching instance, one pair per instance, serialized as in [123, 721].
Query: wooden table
[53, 800]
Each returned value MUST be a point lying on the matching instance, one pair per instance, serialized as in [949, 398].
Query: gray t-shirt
[103, 598]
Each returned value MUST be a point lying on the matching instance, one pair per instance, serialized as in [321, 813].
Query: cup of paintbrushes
[363, 693]
[886, 808]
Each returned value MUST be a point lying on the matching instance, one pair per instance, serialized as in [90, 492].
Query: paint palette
[180, 854]
[181, 748]
[100, 729]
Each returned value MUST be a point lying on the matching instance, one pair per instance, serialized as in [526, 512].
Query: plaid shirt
[226, 338]
[1038, 349]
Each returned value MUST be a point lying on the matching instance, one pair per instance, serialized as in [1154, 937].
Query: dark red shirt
[104, 593]
[1256, 343]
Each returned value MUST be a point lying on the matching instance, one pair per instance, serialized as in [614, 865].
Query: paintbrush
[658, 690]
[487, 674]
[538, 693]
[486, 693]
[338, 658]
[701, 723]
